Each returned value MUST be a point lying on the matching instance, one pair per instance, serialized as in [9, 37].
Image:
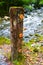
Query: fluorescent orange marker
[20, 35]
[21, 16]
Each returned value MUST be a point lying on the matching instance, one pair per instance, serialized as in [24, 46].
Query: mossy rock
[37, 35]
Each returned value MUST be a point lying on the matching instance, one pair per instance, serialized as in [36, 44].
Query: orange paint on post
[20, 35]
[21, 16]
[20, 50]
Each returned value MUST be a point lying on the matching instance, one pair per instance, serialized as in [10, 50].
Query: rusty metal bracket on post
[16, 28]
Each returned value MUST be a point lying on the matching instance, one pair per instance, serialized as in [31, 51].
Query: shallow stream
[33, 22]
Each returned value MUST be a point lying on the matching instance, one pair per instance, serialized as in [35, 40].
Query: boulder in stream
[6, 18]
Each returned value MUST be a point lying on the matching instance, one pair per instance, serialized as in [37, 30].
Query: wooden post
[16, 25]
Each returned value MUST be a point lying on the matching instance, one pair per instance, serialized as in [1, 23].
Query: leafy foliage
[20, 62]
[4, 40]
[41, 2]
[5, 5]
[1, 3]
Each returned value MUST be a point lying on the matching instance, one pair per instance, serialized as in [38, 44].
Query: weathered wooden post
[16, 25]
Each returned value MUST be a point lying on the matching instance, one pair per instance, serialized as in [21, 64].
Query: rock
[28, 13]
[25, 15]
[6, 18]
[31, 34]
[33, 45]
[25, 28]
[25, 10]
[1, 19]
[41, 44]
[42, 21]
[26, 36]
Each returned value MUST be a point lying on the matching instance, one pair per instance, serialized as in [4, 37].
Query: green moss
[4, 40]
[32, 41]
[16, 7]
[37, 35]
[19, 61]
[41, 38]
[28, 44]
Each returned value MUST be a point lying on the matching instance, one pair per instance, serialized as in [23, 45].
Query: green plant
[41, 2]
[1, 3]
[4, 40]
[19, 61]
[35, 50]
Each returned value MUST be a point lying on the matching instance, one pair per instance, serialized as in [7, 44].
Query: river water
[32, 22]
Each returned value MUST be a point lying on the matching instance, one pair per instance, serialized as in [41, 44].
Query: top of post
[15, 10]
[14, 7]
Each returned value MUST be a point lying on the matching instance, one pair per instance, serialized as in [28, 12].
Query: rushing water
[32, 23]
